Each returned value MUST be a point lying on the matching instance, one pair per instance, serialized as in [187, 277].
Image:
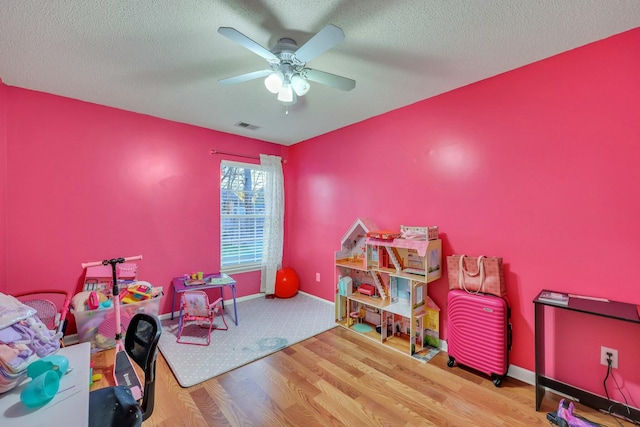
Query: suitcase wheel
[451, 362]
[497, 381]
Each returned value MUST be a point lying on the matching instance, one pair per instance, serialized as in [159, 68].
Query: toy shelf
[415, 260]
[370, 301]
[393, 272]
[401, 343]
[373, 335]
[402, 308]
[396, 272]
[346, 262]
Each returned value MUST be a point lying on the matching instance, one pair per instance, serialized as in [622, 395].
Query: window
[242, 214]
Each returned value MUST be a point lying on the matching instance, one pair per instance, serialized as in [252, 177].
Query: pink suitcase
[479, 333]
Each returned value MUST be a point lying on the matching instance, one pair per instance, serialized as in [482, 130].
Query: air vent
[246, 126]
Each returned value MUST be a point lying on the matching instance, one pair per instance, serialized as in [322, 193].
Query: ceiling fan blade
[244, 41]
[327, 38]
[245, 77]
[328, 79]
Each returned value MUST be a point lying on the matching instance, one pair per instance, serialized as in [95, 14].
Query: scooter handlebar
[106, 261]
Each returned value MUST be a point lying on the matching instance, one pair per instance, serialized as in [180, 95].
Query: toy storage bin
[100, 278]
[98, 327]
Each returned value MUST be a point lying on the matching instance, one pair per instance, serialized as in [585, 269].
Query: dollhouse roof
[359, 227]
[431, 305]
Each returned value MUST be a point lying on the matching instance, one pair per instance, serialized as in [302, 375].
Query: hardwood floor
[338, 378]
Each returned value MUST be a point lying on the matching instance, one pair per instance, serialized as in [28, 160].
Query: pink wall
[87, 182]
[3, 188]
[538, 165]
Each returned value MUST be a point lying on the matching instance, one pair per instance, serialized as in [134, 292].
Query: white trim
[241, 268]
[524, 375]
[227, 303]
[515, 372]
[71, 339]
[317, 298]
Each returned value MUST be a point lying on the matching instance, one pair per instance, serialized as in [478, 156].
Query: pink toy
[195, 306]
[566, 412]
[136, 293]
[93, 302]
[366, 289]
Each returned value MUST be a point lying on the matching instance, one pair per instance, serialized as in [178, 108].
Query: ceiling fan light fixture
[273, 82]
[287, 76]
[292, 102]
[300, 85]
[286, 93]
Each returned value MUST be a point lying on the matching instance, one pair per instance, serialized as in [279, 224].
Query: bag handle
[480, 271]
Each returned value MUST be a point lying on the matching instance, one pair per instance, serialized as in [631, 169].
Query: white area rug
[265, 326]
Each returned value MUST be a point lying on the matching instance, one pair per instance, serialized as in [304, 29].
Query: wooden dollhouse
[352, 254]
[351, 261]
[382, 285]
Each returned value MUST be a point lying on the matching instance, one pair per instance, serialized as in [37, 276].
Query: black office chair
[116, 406]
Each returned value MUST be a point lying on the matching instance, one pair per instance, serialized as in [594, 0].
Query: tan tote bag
[480, 274]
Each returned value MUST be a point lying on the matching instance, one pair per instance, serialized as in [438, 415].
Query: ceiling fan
[287, 74]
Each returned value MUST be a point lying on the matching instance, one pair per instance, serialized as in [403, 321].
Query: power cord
[626, 405]
[609, 355]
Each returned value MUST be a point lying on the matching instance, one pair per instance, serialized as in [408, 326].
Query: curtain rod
[214, 151]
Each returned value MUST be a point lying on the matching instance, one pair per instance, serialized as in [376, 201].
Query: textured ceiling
[164, 57]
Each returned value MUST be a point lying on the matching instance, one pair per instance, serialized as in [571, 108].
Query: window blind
[242, 214]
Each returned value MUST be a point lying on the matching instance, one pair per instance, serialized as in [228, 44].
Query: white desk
[70, 407]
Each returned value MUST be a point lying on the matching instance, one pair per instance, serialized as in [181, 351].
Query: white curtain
[273, 222]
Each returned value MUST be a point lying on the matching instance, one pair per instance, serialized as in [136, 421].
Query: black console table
[610, 309]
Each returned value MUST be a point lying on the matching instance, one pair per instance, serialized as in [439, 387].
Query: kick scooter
[123, 371]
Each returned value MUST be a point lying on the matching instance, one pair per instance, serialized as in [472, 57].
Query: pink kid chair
[195, 307]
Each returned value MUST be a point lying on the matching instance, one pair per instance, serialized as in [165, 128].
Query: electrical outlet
[317, 277]
[604, 356]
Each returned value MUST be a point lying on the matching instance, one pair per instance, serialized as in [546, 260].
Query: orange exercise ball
[287, 283]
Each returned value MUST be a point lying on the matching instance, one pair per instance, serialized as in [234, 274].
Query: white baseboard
[227, 303]
[245, 298]
[317, 298]
[71, 339]
[524, 375]
[515, 372]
